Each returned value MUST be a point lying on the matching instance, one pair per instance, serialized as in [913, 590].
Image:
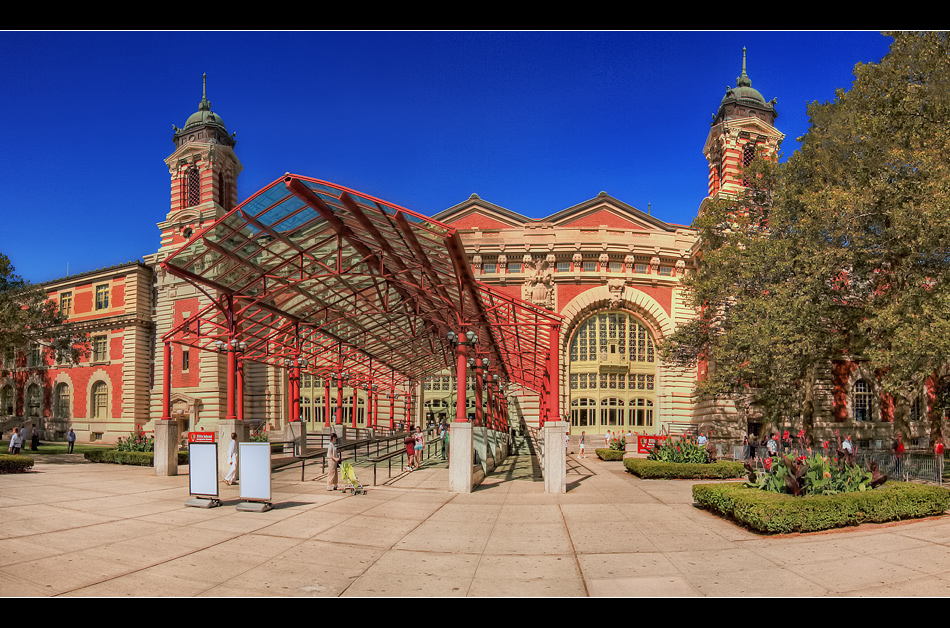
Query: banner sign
[201, 437]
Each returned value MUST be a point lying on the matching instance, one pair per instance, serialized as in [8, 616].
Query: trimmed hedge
[137, 458]
[15, 464]
[778, 513]
[609, 454]
[658, 470]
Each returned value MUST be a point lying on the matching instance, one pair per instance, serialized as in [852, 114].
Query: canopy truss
[306, 269]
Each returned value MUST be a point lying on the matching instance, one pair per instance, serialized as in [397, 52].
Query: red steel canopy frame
[308, 274]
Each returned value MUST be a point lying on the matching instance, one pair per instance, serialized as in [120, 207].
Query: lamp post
[461, 343]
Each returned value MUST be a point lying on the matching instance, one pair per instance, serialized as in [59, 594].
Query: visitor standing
[898, 449]
[939, 448]
[444, 437]
[419, 441]
[232, 460]
[410, 444]
[582, 454]
[35, 439]
[772, 444]
[71, 441]
[333, 459]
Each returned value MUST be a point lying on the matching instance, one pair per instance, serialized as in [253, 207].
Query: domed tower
[743, 124]
[204, 172]
[203, 169]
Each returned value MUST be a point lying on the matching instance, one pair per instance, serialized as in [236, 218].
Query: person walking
[70, 441]
[35, 439]
[444, 437]
[333, 459]
[410, 444]
[15, 443]
[419, 441]
[232, 461]
[581, 453]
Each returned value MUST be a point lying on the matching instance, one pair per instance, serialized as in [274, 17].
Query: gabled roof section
[595, 212]
[475, 211]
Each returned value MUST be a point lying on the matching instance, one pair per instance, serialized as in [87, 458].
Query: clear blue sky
[531, 121]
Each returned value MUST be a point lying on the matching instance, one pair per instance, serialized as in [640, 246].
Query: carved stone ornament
[655, 264]
[615, 289]
[477, 262]
[538, 287]
[502, 261]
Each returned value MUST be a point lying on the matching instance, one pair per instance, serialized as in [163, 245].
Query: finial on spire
[204, 105]
[743, 80]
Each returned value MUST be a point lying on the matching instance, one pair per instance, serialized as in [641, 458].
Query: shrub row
[780, 513]
[658, 470]
[15, 464]
[609, 454]
[138, 458]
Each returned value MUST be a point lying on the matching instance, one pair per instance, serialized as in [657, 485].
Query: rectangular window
[490, 268]
[590, 267]
[515, 267]
[34, 356]
[65, 303]
[99, 348]
[666, 270]
[640, 268]
[185, 360]
[563, 267]
[102, 297]
[615, 267]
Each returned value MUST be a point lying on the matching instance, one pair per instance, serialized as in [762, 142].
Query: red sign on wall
[645, 442]
[201, 437]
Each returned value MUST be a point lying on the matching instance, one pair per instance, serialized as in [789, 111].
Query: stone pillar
[555, 458]
[225, 428]
[296, 431]
[460, 457]
[165, 458]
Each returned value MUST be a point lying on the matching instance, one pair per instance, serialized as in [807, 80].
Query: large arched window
[613, 366]
[861, 401]
[61, 400]
[100, 401]
[34, 401]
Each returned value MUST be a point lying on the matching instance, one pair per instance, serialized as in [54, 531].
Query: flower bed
[661, 470]
[784, 513]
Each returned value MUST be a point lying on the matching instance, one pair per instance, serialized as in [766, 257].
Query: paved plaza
[72, 528]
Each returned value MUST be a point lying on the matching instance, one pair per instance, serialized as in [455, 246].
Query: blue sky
[531, 121]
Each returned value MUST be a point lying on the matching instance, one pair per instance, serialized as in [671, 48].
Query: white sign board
[203, 468]
[254, 462]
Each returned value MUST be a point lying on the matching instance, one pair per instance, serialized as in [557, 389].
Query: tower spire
[204, 105]
[743, 80]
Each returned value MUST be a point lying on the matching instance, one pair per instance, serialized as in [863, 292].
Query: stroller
[350, 481]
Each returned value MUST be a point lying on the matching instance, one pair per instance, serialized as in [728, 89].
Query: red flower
[768, 464]
[824, 445]
[785, 435]
[801, 434]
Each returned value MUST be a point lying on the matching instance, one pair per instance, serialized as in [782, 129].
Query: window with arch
[61, 400]
[7, 400]
[861, 401]
[583, 412]
[613, 334]
[192, 187]
[611, 411]
[99, 401]
[34, 400]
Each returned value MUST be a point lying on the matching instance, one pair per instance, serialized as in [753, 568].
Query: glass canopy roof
[308, 269]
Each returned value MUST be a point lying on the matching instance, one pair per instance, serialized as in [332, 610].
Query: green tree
[28, 316]
[842, 252]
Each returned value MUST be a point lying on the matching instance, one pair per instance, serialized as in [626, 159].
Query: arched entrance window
[613, 373]
[100, 400]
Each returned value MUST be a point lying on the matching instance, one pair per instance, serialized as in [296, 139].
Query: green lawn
[50, 448]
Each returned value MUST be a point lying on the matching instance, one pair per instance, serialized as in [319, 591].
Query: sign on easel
[254, 464]
[203, 475]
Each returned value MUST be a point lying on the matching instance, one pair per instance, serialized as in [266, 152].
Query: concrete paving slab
[122, 531]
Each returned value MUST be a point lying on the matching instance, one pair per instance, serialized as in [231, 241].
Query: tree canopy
[841, 252]
[28, 316]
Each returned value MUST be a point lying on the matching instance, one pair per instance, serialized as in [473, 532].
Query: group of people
[18, 439]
